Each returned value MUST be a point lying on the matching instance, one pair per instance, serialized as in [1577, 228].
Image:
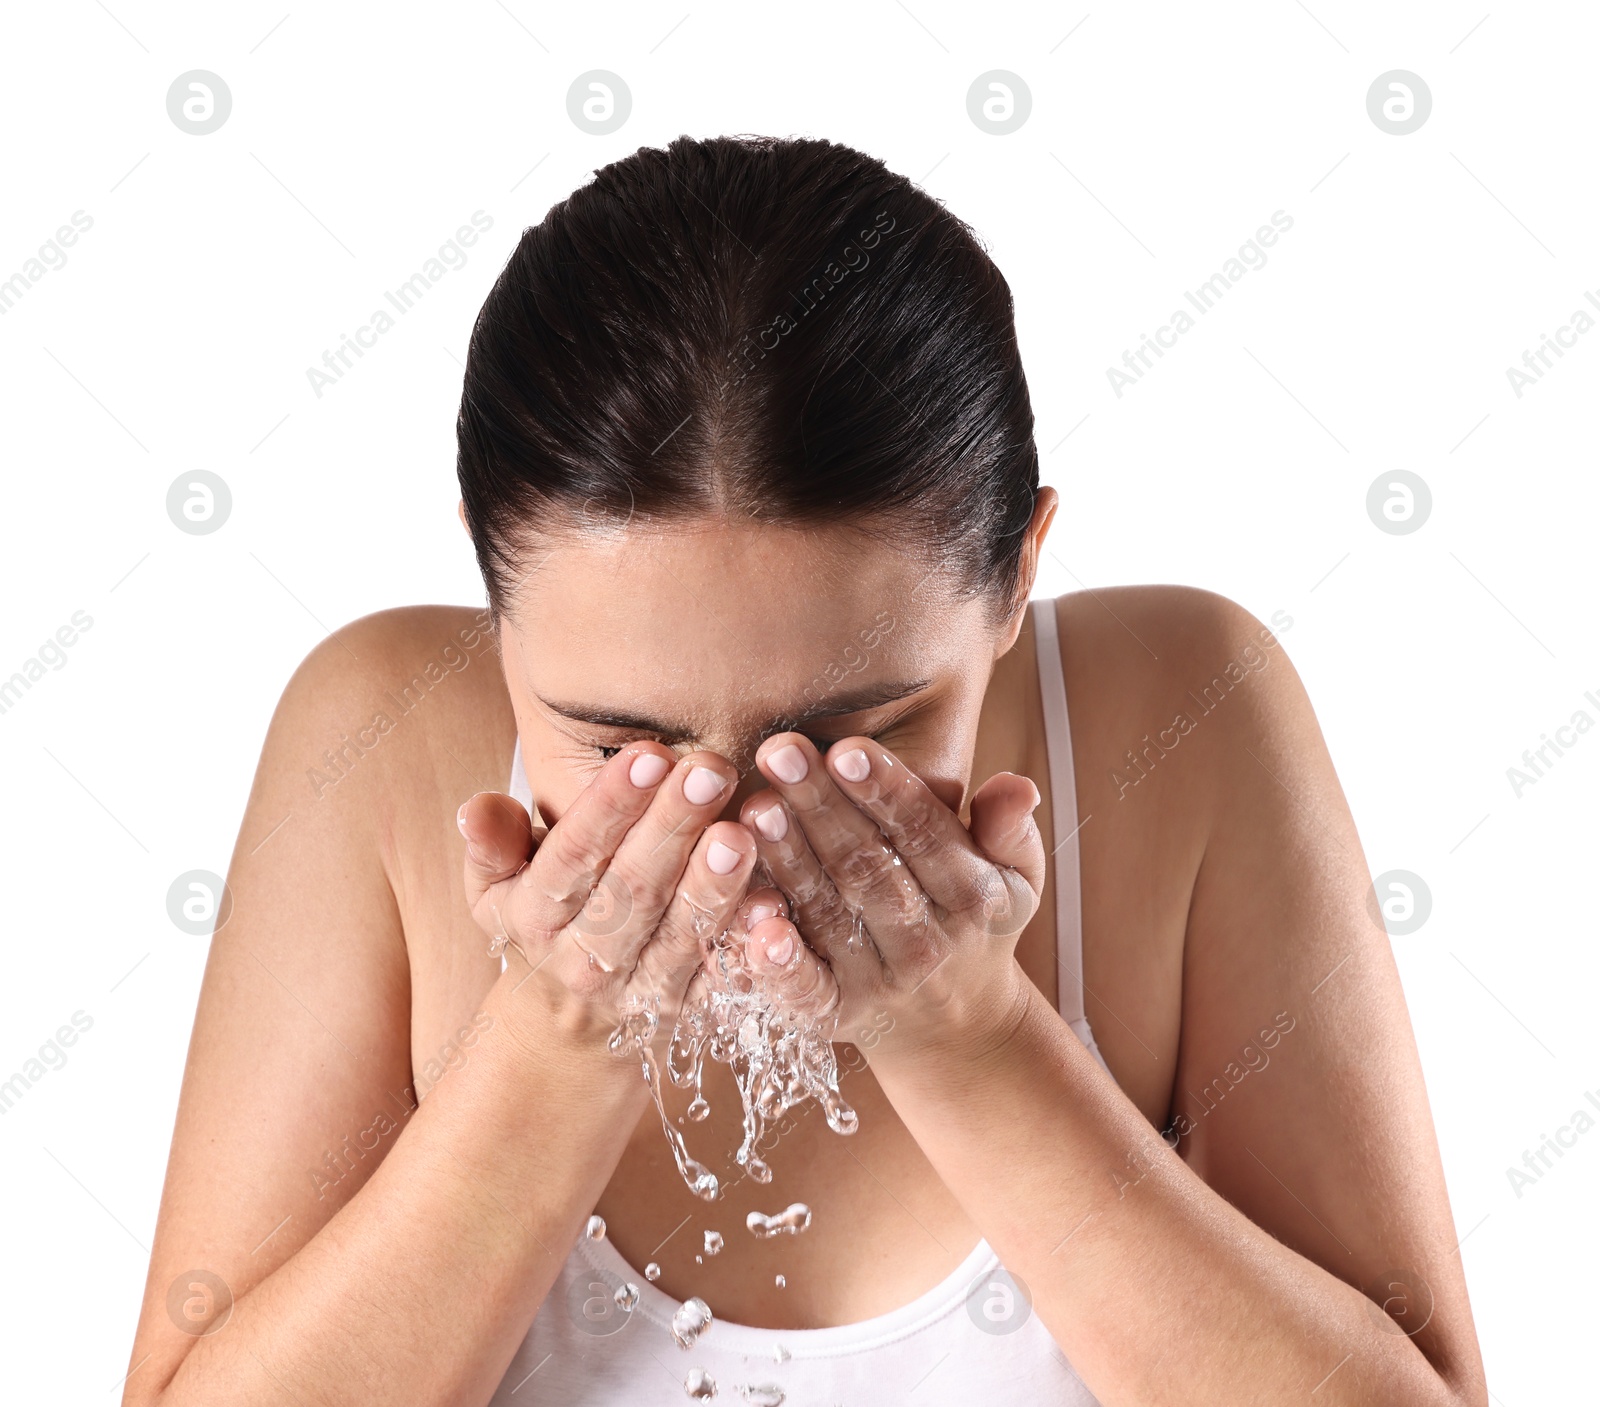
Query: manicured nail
[647, 769]
[461, 820]
[780, 950]
[703, 785]
[772, 823]
[853, 765]
[788, 764]
[758, 913]
[721, 859]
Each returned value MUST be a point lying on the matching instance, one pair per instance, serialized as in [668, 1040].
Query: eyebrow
[838, 705]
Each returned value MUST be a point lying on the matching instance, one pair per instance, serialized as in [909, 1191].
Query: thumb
[499, 837]
[1003, 827]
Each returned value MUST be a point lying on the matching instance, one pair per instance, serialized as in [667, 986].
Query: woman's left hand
[903, 917]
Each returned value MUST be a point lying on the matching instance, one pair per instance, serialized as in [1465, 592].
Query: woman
[746, 456]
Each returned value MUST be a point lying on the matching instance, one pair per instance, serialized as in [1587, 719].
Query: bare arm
[409, 1267]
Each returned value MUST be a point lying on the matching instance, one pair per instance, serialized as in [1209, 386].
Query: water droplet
[699, 1260]
[596, 1229]
[780, 1282]
[698, 1109]
[713, 1242]
[691, 1319]
[759, 1171]
[793, 1219]
[841, 1117]
[762, 1395]
[780, 1353]
[700, 1385]
[626, 1297]
[652, 1272]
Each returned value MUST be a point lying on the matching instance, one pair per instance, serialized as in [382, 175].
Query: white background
[1376, 338]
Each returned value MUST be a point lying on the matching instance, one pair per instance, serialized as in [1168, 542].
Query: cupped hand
[894, 912]
[614, 900]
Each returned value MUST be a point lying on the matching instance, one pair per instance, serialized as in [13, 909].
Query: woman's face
[716, 635]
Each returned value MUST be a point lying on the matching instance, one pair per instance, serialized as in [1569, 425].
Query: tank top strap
[1063, 815]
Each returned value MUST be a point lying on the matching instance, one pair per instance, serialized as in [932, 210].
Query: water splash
[626, 1297]
[700, 1385]
[713, 1242]
[596, 1229]
[652, 1272]
[792, 1220]
[691, 1319]
[779, 1058]
[762, 1394]
[636, 1028]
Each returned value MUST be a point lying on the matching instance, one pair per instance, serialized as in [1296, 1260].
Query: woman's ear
[461, 513]
[1044, 511]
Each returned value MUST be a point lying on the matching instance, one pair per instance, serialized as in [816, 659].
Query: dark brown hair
[779, 328]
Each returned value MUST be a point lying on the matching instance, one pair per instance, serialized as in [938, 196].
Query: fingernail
[461, 820]
[780, 950]
[703, 785]
[788, 764]
[772, 823]
[721, 859]
[648, 768]
[853, 765]
[757, 913]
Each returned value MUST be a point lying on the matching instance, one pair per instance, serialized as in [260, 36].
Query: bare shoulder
[383, 709]
[1169, 691]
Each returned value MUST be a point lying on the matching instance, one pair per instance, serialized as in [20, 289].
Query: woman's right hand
[613, 901]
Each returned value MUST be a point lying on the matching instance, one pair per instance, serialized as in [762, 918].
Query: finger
[757, 905]
[567, 866]
[1004, 828]
[815, 904]
[797, 978]
[643, 876]
[847, 841]
[940, 852]
[708, 895]
[499, 837]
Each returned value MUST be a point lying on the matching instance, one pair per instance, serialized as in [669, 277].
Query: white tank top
[970, 1339]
